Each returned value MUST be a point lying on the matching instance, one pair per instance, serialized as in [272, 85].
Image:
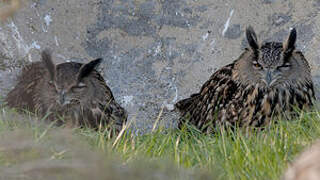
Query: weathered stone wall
[156, 51]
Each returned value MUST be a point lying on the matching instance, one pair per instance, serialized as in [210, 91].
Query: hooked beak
[62, 98]
[268, 77]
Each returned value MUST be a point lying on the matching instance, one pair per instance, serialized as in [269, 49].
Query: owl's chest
[255, 106]
[245, 104]
[75, 114]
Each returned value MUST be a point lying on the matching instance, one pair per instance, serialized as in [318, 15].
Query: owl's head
[272, 64]
[75, 87]
[70, 82]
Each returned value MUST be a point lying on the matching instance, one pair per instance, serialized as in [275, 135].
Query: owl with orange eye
[267, 80]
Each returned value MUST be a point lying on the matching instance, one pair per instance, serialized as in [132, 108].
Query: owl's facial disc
[269, 75]
[271, 61]
[67, 95]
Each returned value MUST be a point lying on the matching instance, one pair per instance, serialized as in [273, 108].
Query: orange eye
[256, 65]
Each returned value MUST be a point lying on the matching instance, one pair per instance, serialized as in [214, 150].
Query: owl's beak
[62, 98]
[268, 77]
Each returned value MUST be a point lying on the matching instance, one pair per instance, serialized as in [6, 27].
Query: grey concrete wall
[156, 51]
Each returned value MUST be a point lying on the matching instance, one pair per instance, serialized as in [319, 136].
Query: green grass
[260, 155]
[224, 155]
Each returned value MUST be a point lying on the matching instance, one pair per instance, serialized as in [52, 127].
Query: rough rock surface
[156, 51]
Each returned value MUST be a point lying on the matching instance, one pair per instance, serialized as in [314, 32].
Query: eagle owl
[267, 80]
[71, 93]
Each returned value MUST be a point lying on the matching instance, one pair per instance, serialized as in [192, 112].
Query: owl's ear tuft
[86, 69]
[289, 44]
[252, 38]
[47, 60]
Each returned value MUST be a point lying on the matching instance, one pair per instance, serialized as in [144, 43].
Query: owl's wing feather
[185, 104]
[219, 90]
[107, 104]
[22, 96]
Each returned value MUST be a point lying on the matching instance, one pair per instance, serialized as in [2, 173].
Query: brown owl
[71, 93]
[267, 80]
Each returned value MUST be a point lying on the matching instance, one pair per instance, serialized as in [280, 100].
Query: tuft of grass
[180, 154]
[228, 154]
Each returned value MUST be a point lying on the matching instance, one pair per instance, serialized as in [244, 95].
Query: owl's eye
[79, 87]
[256, 65]
[285, 66]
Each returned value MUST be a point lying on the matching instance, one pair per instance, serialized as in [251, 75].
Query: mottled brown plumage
[265, 81]
[73, 93]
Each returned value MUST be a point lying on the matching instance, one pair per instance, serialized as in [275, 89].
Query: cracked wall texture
[155, 51]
